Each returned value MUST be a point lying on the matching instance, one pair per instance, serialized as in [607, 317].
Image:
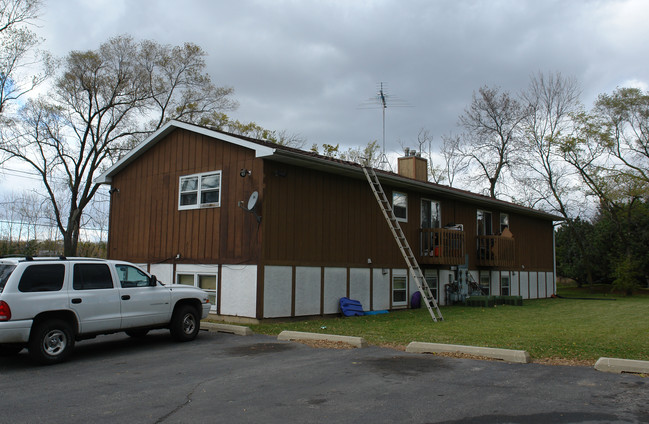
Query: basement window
[200, 191]
[399, 290]
[207, 282]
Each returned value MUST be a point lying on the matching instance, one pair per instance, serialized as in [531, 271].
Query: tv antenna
[382, 99]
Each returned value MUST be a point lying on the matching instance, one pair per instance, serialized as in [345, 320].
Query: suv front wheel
[185, 323]
[51, 342]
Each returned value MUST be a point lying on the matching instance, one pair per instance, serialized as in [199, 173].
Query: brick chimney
[412, 165]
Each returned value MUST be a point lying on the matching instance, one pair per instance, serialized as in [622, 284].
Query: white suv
[46, 304]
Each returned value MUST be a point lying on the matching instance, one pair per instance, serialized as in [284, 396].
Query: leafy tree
[222, 122]
[368, 155]
[102, 102]
[624, 116]
[582, 265]
[606, 149]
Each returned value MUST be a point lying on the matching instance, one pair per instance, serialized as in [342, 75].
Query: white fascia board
[106, 177]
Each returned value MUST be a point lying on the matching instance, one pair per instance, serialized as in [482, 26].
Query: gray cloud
[308, 66]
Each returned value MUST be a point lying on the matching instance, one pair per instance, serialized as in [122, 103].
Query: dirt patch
[325, 344]
[566, 362]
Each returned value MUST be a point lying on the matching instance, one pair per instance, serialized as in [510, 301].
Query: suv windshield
[5, 272]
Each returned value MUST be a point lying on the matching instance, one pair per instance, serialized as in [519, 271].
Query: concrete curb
[298, 335]
[226, 328]
[508, 355]
[616, 365]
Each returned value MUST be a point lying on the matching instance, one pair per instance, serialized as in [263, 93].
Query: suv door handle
[126, 297]
[76, 300]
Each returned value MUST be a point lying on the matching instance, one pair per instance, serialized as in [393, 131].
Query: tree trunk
[71, 236]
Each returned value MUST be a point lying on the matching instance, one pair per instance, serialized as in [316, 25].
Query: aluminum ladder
[404, 247]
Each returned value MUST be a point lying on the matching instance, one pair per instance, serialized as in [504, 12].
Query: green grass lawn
[572, 329]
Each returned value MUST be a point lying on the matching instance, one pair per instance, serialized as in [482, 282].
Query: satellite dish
[253, 200]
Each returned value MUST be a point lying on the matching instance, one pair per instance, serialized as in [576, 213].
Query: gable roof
[312, 160]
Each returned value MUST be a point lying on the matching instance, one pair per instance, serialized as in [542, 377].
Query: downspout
[554, 258]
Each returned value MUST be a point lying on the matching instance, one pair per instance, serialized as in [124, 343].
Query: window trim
[434, 288]
[481, 274]
[506, 277]
[506, 225]
[439, 210]
[484, 226]
[199, 191]
[197, 276]
[405, 195]
[396, 275]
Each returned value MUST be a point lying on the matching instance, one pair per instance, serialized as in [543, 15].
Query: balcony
[495, 251]
[441, 246]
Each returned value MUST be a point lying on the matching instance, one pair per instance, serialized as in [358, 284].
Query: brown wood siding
[315, 218]
[146, 225]
[309, 217]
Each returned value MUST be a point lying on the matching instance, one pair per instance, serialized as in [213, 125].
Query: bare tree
[98, 106]
[17, 41]
[455, 164]
[550, 103]
[492, 129]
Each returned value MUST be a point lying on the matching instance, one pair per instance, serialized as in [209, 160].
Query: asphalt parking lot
[252, 379]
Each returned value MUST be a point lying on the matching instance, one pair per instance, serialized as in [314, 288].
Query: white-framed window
[206, 282]
[484, 224]
[200, 190]
[504, 221]
[504, 285]
[433, 282]
[399, 289]
[485, 282]
[431, 215]
[400, 206]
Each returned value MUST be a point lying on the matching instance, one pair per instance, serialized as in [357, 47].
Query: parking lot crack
[187, 401]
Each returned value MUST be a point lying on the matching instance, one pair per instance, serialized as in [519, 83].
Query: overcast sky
[313, 67]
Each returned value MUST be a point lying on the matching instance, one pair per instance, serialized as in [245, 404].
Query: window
[431, 279]
[129, 276]
[5, 273]
[92, 277]
[200, 191]
[485, 282]
[484, 223]
[400, 206]
[430, 214]
[399, 290]
[41, 278]
[206, 282]
[504, 285]
[504, 222]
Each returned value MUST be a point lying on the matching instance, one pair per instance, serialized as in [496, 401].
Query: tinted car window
[92, 277]
[5, 272]
[40, 278]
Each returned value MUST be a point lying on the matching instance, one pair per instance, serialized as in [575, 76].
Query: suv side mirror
[153, 281]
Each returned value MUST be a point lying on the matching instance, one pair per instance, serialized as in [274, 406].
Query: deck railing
[442, 246]
[495, 251]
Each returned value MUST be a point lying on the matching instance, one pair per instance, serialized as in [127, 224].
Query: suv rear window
[42, 278]
[5, 272]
